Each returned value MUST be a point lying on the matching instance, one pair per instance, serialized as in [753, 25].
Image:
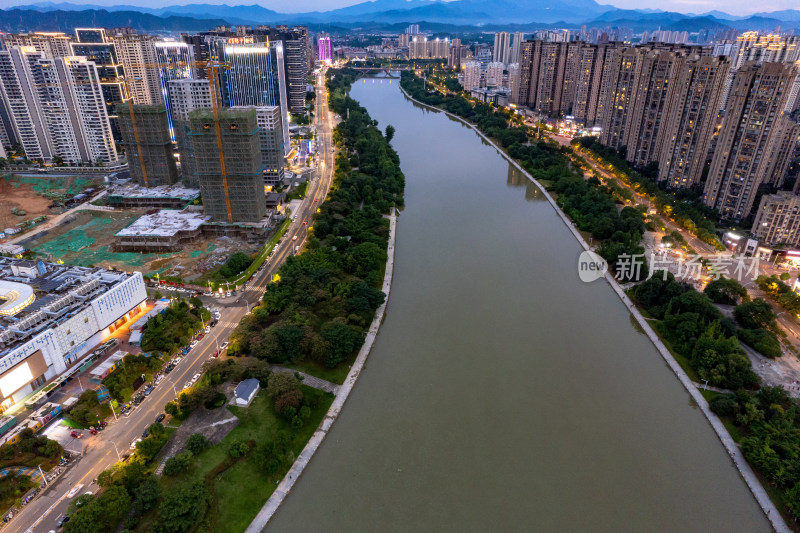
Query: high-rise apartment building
[691, 121]
[230, 174]
[50, 44]
[501, 53]
[56, 107]
[148, 145]
[187, 95]
[93, 44]
[516, 47]
[494, 74]
[419, 47]
[137, 53]
[750, 132]
[471, 75]
[271, 142]
[295, 60]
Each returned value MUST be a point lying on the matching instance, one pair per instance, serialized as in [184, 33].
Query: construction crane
[216, 98]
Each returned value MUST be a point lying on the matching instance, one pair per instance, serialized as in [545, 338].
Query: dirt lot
[34, 195]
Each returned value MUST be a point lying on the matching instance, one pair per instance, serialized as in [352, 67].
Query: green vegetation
[697, 330]
[88, 410]
[120, 382]
[29, 451]
[683, 206]
[166, 332]
[321, 301]
[726, 291]
[780, 292]
[768, 427]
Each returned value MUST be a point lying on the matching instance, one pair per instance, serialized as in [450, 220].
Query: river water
[502, 393]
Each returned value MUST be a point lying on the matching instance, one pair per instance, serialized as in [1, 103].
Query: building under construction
[228, 161]
[148, 146]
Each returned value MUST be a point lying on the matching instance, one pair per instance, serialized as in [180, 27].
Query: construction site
[26, 199]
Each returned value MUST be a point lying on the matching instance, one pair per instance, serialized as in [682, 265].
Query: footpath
[749, 477]
[288, 481]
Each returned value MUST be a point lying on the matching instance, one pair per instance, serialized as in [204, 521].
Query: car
[177, 360]
[133, 444]
[228, 294]
[187, 385]
[160, 417]
[196, 377]
[148, 390]
[74, 490]
[316, 199]
[170, 367]
[76, 434]
[216, 295]
[215, 354]
[92, 430]
[294, 217]
[138, 400]
[193, 344]
[145, 433]
[223, 345]
[206, 294]
[234, 292]
[200, 337]
[208, 329]
[186, 350]
[305, 222]
[63, 520]
[158, 380]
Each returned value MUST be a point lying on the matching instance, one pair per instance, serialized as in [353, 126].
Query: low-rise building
[164, 231]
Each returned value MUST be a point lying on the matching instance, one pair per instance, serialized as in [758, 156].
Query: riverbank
[743, 467]
[285, 486]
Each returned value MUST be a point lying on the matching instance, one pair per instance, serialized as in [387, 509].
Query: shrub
[197, 443]
[178, 464]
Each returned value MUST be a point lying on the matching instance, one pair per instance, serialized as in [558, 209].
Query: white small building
[245, 392]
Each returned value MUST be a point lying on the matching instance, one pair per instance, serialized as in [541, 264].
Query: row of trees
[174, 327]
[683, 206]
[780, 292]
[322, 301]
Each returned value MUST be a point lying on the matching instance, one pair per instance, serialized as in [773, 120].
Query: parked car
[145, 433]
[195, 378]
[158, 380]
[177, 360]
[192, 344]
[208, 329]
[228, 294]
[187, 384]
[76, 434]
[63, 520]
[148, 390]
[215, 354]
[223, 345]
[160, 417]
[169, 368]
[133, 444]
[200, 337]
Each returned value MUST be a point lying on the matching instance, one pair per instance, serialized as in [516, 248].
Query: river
[502, 393]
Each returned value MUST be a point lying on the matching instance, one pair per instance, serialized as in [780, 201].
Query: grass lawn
[240, 491]
[334, 375]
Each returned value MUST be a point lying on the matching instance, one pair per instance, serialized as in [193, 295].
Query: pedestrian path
[308, 379]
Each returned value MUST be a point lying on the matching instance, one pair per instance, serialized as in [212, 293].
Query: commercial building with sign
[52, 315]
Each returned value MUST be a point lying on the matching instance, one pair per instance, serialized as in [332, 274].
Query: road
[99, 452]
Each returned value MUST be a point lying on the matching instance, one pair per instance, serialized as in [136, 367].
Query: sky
[734, 7]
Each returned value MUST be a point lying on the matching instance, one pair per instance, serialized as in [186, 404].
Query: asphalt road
[99, 451]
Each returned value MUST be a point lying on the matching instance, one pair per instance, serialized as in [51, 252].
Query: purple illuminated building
[324, 47]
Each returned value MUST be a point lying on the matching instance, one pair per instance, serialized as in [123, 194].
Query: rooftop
[162, 191]
[165, 223]
[51, 294]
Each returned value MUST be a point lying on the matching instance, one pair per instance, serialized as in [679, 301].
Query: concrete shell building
[148, 147]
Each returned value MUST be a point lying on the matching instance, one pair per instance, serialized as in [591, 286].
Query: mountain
[696, 24]
[788, 15]
[15, 20]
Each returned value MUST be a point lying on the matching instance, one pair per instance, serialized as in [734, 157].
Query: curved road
[99, 451]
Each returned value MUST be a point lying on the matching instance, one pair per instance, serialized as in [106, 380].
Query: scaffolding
[228, 162]
[146, 137]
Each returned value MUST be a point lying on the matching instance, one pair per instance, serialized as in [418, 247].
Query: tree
[197, 443]
[756, 314]
[238, 448]
[389, 133]
[196, 302]
[148, 448]
[343, 339]
[280, 383]
[156, 430]
[726, 291]
[171, 408]
[181, 509]
[178, 464]
[157, 295]
[147, 495]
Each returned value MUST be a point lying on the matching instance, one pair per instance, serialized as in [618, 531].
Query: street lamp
[39, 466]
[119, 457]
